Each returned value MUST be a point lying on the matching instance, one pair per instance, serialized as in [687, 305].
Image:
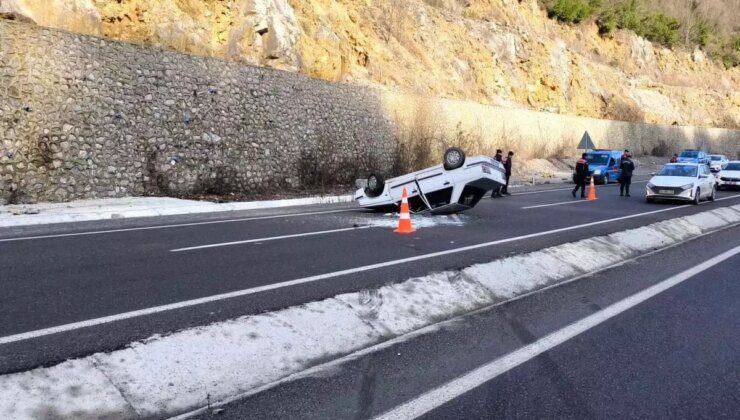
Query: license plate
[665, 191]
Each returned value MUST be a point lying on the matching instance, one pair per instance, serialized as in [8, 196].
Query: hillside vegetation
[596, 58]
[713, 25]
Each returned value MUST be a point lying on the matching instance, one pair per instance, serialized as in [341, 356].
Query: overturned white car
[456, 185]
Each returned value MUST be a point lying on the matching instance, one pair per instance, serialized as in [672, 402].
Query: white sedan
[717, 162]
[729, 176]
[682, 181]
[456, 185]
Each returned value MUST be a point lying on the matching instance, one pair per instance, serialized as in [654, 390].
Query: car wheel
[606, 179]
[697, 196]
[453, 158]
[713, 195]
[375, 185]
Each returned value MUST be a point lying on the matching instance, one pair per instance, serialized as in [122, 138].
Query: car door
[613, 169]
[705, 181]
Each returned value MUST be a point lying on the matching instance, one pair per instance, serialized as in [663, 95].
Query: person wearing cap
[580, 176]
[625, 178]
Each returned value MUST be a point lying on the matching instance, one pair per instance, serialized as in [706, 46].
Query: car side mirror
[703, 176]
[653, 173]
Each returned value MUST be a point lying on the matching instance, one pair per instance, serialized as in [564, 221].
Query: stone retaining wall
[83, 117]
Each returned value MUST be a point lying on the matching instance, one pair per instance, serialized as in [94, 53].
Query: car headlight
[687, 186]
[597, 171]
[650, 185]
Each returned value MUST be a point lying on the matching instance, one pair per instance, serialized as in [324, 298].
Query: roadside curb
[125, 208]
[165, 376]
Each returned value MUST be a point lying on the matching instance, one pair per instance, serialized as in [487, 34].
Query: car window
[612, 162]
[678, 170]
[715, 157]
[733, 167]
[597, 160]
[689, 154]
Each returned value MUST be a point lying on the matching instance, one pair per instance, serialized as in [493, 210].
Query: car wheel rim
[372, 183]
[453, 157]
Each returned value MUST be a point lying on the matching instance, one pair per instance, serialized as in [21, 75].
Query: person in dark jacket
[625, 179]
[499, 157]
[580, 176]
[674, 159]
[507, 171]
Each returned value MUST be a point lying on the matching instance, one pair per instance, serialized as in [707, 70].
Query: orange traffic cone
[591, 191]
[404, 223]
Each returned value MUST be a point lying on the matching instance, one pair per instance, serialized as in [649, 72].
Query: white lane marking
[245, 292]
[556, 204]
[568, 189]
[310, 372]
[272, 238]
[99, 232]
[211, 222]
[586, 201]
[461, 385]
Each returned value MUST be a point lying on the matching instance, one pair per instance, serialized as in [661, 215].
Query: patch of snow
[390, 220]
[73, 389]
[164, 376]
[115, 208]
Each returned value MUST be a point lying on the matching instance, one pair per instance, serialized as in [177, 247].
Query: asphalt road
[675, 355]
[56, 275]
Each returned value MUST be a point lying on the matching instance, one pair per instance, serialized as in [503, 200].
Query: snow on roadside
[73, 389]
[390, 220]
[169, 375]
[116, 208]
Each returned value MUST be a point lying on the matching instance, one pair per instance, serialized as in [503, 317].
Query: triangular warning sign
[586, 142]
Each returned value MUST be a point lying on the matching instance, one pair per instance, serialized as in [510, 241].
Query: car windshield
[597, 160]
[689, 154]
[678, 170]
[715, 157]
[733, 167]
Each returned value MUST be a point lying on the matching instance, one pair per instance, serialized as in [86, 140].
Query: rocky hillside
[502, 52]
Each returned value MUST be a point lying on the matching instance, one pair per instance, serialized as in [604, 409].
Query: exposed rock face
[72, 15]
[503, 52]
[258, 32]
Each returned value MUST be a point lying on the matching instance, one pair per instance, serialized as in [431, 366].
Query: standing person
[507, 172]
[499, 157]
[581, 175]
[625, 179]
[674, 159]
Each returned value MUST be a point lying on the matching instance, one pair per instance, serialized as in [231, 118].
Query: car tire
[713, 195]
[453, 158]
[606, 179]
[375, 185]
[697, 196]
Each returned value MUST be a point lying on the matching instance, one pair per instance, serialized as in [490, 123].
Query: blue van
[603, 165]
